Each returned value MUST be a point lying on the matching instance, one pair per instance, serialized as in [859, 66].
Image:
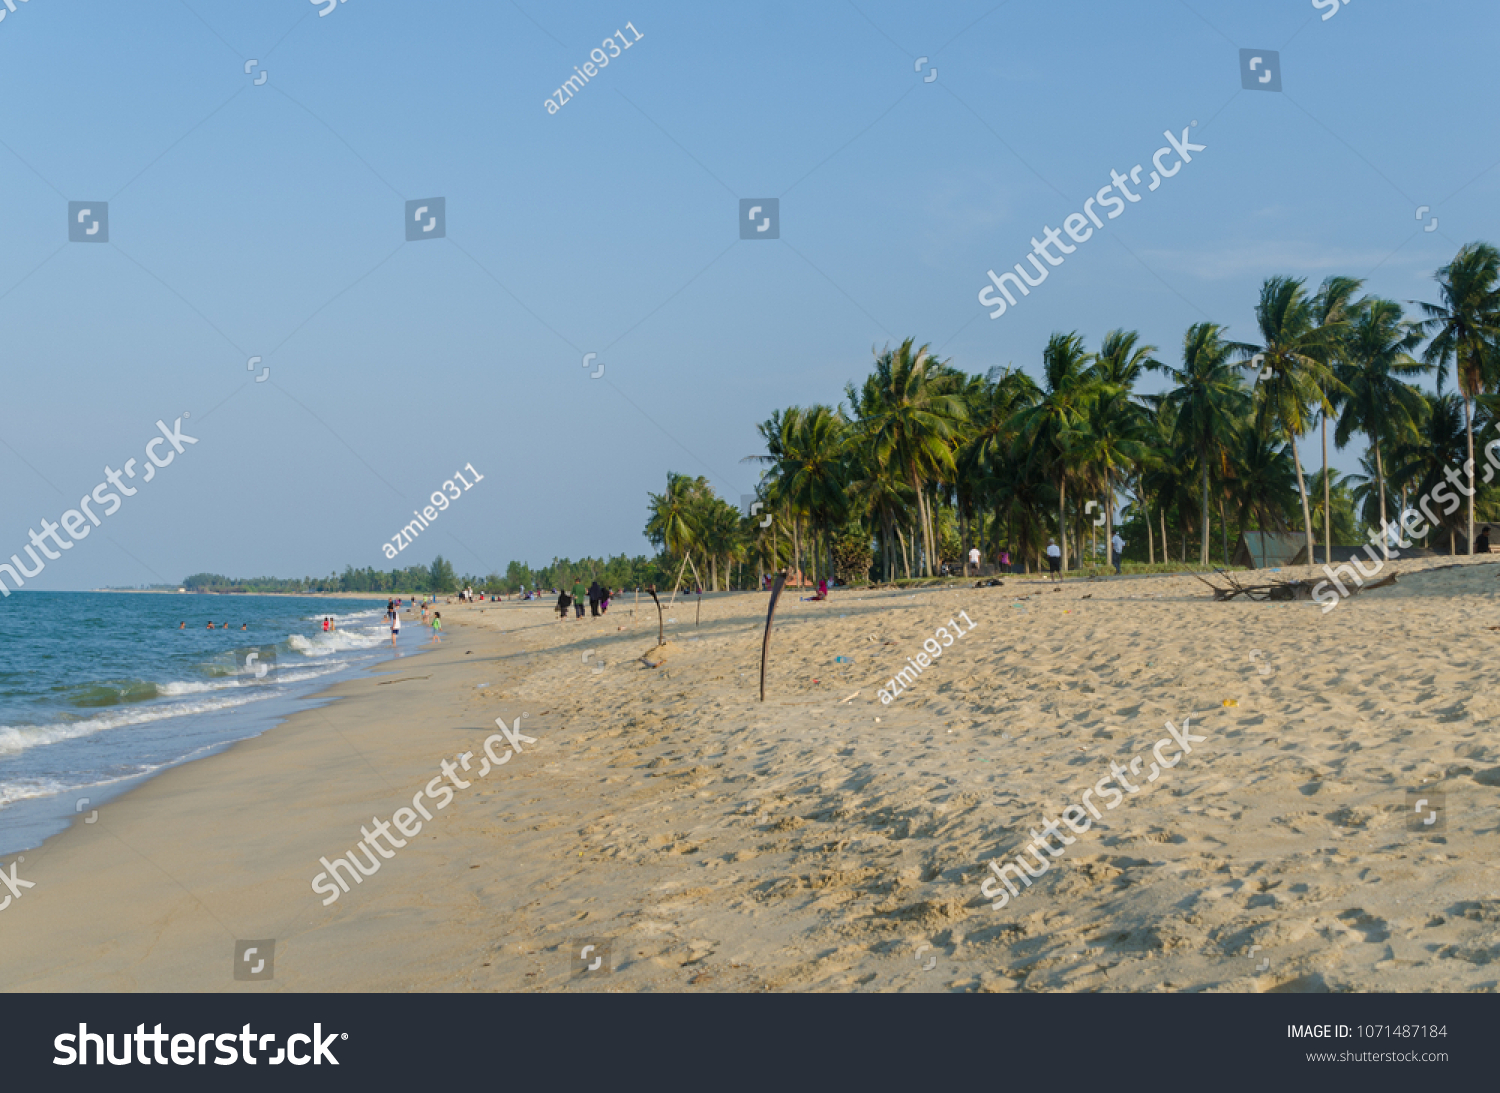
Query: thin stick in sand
[765, 645]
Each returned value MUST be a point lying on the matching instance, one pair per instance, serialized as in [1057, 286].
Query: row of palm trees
[922, 460]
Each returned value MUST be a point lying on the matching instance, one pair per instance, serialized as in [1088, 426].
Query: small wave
[355, 616]
[11, 792]
[19, 738]
[334, 641]
[113, 693]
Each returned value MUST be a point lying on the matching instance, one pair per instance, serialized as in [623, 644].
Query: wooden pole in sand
[660, 640]
[765, 645]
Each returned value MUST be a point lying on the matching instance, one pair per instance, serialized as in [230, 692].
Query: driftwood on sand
[1281, 591]
[765, 644]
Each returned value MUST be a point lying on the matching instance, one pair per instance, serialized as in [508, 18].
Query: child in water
[437, 626]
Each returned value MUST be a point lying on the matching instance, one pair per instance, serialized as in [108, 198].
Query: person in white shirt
[974, 558]
[1054, 559]
[1119, 545]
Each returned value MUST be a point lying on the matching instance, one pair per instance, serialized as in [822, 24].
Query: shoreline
[817, 841]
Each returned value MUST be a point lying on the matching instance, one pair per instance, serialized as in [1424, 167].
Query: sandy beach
[807, 844]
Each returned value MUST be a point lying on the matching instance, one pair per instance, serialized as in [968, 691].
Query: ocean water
[100, 690]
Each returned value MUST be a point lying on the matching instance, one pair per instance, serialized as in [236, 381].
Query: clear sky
[267, 219]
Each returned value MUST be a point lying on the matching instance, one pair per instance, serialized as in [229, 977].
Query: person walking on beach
[437, 626]
[564, 601]
[1119, 550]
[604, 594]
[1005, 561]
[594, 597]
[974, 559]
[395, 629]
[1054, 560]
[579, 592]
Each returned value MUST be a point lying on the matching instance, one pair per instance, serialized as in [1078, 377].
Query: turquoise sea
[99, 690]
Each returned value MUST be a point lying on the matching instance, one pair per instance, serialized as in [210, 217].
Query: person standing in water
[395, 628]
[437, 626]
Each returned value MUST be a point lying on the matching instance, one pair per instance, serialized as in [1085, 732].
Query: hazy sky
[268, 219]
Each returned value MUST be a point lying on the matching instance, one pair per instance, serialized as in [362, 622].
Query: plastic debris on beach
[1230, 702]
[842, 660]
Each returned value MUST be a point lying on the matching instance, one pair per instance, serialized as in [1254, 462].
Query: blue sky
[267, 220]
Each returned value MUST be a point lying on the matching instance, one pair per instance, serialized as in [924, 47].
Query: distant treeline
[440, 577]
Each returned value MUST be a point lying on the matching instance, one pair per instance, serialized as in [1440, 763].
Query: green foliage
[852, 553]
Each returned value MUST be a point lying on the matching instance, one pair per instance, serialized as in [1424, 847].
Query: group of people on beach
[393, 616]
[597, 595]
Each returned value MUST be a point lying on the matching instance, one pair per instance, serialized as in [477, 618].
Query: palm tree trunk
[1150, 539]
[1203, 545]
[916, 485]
[1327, 507]
[1224, 530]
[1306, 512]
[1469, 467]
[963, 537]
[1161, 515]
[1109, 520]
[797, 547]
[1062, 518]
[1385, 541]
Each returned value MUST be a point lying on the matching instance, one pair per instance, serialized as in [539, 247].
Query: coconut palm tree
[990, 434]
[910, 417]
[1116, 420]
[1421, 463]
[1265, 484]
[812, 475]
[1331, 308]
[1464, 329]
[1210, 400]
[672, 523]
[1051, 428]
[1376, 353]
[1294, 377]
